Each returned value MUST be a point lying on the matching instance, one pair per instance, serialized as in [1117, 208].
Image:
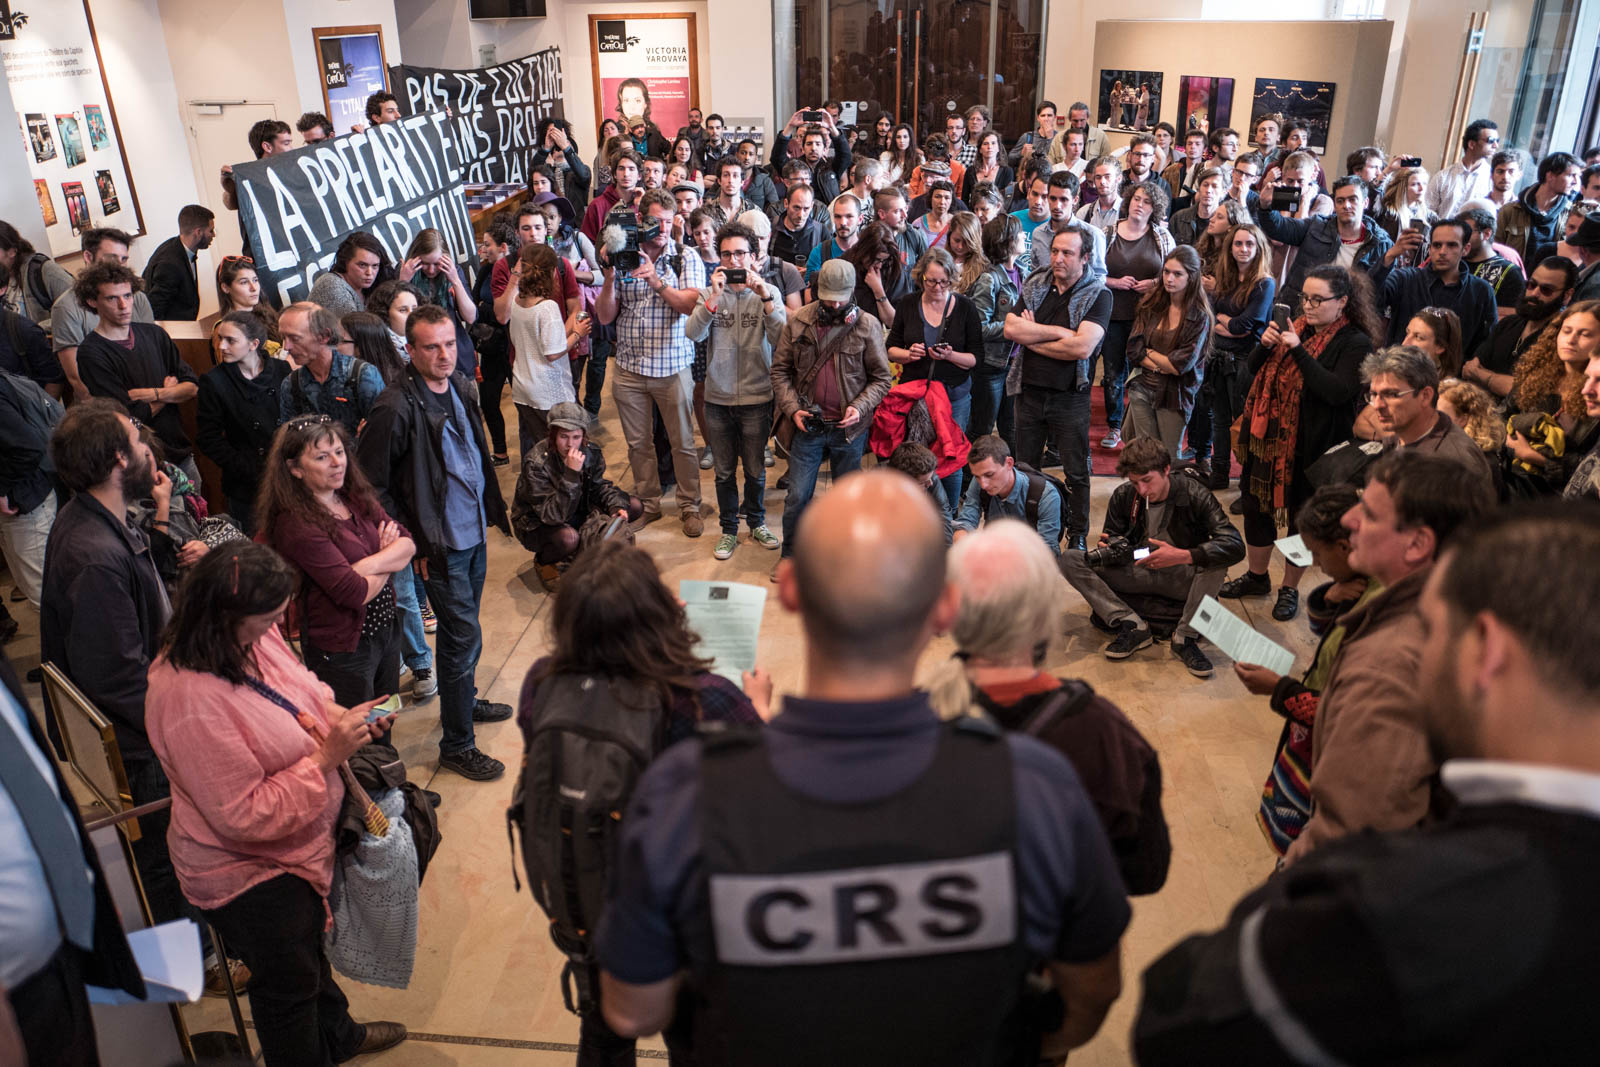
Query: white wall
[138, 71]
[300, 16]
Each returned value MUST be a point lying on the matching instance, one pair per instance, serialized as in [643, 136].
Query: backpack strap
[36, 286]
[1036, 484]
[1070, 699]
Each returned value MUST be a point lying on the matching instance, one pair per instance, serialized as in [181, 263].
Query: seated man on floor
[562, 488]
[1184, 542]
[918, 462]
[1003, 489]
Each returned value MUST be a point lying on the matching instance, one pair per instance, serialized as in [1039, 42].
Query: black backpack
[40, 411]
[35, 281]
[590, 740]
[1036, 483]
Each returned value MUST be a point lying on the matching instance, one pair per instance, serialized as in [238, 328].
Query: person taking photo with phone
[1348, 238]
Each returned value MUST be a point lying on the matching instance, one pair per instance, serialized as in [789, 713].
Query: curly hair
[282, 494]
[1474, 409]
[1538, 379]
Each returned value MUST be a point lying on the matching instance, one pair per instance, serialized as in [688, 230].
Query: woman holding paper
[252, 743]
[613, 618]
[1303, 400]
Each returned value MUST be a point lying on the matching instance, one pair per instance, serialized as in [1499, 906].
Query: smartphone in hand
[1280, 316]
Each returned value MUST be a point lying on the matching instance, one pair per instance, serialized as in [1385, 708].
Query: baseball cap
[836, 280]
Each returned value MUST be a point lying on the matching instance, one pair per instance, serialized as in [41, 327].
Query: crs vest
[887, 932]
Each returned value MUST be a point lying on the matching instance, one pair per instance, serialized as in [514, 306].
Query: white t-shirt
[538, 333]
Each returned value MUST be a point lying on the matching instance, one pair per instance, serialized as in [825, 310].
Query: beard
[139, 479]
[1531, 307]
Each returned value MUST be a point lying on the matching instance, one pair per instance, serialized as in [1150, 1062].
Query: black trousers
[600, 1046]
[496, 373]
[52, 1012]
[301, 1016]
[372, 670]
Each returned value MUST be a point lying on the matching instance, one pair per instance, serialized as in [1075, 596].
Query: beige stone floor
[486, 971]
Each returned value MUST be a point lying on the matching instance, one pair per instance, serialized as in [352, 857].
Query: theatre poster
[66, 120]
[645, 64]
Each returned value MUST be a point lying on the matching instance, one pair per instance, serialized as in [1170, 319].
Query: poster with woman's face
[644, 69]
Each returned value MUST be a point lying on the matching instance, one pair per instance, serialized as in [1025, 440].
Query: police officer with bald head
[861, 883]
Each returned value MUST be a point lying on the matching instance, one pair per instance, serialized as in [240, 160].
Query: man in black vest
[845, 886]
[1468, 941]
[171, 275]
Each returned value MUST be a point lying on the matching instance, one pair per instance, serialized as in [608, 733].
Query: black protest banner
[496, 109]
[392, 181]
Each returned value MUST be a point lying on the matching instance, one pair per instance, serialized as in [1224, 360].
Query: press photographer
[1167, 543]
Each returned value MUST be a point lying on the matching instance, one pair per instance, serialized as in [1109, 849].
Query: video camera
[623, 234]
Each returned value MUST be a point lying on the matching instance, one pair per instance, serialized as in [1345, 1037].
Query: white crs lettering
[911, 909]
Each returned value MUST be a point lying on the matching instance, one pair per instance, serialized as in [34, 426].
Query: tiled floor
[486, 971]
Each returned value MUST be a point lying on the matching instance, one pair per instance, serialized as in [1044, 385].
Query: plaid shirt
[967, 154]
[650, 338]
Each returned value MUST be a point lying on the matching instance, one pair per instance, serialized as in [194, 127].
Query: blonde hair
[964, 224]
[1476, 408]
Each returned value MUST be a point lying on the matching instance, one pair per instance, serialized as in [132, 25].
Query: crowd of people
[1404, 368]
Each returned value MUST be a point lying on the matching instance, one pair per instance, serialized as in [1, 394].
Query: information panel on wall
[64, 114]
[644, 66]
[393, 181]
[352, 64]
[496, 110]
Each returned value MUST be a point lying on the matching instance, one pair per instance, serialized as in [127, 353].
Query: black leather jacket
[1195, 520]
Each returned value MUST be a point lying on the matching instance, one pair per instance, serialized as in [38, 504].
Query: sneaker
[424, 684]
[594, 418]
[1218, 480]
[470, 763]
[489, 711]
[216, 986]
[1202, 467]
[768, 459]
[1131, 639]
[1246, 584]
[1193, 658]
[693, 524]
[725, 546]
[763, 537]
[1288, 605]
[430, 622]
[500, 459]
[705, 459]
[1112, 439]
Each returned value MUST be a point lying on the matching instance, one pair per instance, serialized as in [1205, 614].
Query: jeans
[1100, 586]
[1228, 378]
[371, 670]
[23, 537]
[739, 434]
[1147, 420]
[991, 408]
[673, 396]
[1060, 416]
[414, 650]
[961, 413]
[147, 782]
[301, 1016]
[1114, 351]
[455, 589]
[806, 453]
[594, 373]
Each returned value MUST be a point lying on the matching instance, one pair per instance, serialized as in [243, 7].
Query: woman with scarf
[1302, 401]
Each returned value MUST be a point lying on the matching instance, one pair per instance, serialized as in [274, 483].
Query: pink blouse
[248, 801]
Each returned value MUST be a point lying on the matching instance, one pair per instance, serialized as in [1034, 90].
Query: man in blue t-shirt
[846, 213]
[885, 864]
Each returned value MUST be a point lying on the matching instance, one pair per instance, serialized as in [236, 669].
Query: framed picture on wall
[1129, 99]
[1310, 102]
[644, 66]
[352, 66]
[1204, 104]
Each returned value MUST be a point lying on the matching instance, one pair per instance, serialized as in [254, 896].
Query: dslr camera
[814, 421]
[1285, 196]
[1117, 552]
[624, 232]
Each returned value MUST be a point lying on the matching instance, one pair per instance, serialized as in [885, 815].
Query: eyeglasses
[312, 418]
[345, 341]
[929, 283]
[1388, 396]
[1315, 301]
[726, 254]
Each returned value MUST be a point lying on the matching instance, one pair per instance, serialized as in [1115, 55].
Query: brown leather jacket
[862, 364]
[1370, 763]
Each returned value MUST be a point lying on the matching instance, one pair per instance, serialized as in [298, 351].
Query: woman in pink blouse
[252, 743]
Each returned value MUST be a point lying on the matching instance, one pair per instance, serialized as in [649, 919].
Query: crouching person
[562, 488]
[1184, 545]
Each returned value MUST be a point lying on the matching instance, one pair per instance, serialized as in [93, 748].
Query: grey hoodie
[739, 363]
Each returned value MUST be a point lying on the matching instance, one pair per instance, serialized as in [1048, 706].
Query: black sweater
[962, 330]
[1331, 395]
[236, 419]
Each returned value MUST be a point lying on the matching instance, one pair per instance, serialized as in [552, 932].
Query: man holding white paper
[1166, 538]
[1371, 767]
